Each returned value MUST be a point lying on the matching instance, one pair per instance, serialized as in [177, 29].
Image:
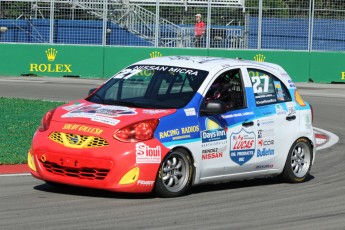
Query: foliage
[19, 120]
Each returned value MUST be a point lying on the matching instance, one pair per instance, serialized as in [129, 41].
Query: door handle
[291, 118]
[247, 124]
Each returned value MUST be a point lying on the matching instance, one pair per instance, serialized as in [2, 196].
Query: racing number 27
[257, 86]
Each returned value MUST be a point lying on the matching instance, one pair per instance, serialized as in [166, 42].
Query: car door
[275, 119]
[228, 140]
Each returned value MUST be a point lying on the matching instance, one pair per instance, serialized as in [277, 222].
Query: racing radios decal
[101, 113]
[213, 139]
[242, 146]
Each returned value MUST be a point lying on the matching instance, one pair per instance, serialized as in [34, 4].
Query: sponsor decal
[265, 122]
[265, 152]
[214, 133]
[145, 182]
[180, 133]
[279, 91]
[242, 146]
[214, 140]
[208, 154]
[291, 84]
[190, 112]
[265, 133]
[147, 155]
[237, 115]
[308, 121]
[154, 111]
[51, 54]
[268, 101]
[82, 128]
[155, 54]
[291, 108]
[73, 106]
[285, 75]
[262, 143]
[280, 110]
[100, 113]
[259, 58]
[168, 68]
[342, 75]
[269, 166]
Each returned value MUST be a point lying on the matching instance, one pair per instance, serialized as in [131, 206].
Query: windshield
[151, 87]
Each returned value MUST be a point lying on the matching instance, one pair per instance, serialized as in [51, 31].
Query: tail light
[299, 99]
[46, 120]
[140, 131]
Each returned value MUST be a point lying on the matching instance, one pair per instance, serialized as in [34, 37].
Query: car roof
[206, 63]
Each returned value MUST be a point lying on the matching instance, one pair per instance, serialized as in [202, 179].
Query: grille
[81, 173]
[77, 141]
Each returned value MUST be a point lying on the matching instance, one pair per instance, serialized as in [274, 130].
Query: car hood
[109, 116]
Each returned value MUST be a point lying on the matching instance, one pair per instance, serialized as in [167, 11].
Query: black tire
[174, 177]
[298, 162]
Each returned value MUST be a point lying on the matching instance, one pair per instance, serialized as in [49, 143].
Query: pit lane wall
[103, 62]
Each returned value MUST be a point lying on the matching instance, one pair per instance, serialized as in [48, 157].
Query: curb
[14, 169]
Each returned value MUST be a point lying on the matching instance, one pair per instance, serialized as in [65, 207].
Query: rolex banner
[105, 61]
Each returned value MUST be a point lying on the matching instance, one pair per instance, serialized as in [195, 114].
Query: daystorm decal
[242, 146]
[214, 141]
[101, 113]
[214, 135]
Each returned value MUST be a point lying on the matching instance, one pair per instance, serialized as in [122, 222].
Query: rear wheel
[298, 162]
[175, 174]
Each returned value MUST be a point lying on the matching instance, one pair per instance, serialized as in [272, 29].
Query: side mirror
[91, 91]
[213, 107]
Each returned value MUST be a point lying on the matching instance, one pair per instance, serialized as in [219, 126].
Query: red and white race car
[168, 123]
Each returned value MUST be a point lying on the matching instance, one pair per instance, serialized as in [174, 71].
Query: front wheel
[175, 174]
[298, 162]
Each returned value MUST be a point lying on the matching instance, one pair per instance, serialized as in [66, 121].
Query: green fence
[103, 62]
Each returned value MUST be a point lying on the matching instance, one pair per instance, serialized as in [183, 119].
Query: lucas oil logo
[242, 146]
[146, 154]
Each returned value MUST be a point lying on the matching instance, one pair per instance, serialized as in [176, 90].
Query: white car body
[279, 134]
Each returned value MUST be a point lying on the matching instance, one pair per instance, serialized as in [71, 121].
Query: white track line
[15, 174]
[332, 139]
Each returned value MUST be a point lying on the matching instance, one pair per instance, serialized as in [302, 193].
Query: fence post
[51, 21]
[157, 30]
[260, 25]
[104, 26]
[311, 24]
[208, 26]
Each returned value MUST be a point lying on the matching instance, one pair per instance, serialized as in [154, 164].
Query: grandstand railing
[230, 24]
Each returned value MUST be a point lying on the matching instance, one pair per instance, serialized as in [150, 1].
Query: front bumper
[113, 167]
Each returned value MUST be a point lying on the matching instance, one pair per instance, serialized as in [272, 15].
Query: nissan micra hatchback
[168, 123]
